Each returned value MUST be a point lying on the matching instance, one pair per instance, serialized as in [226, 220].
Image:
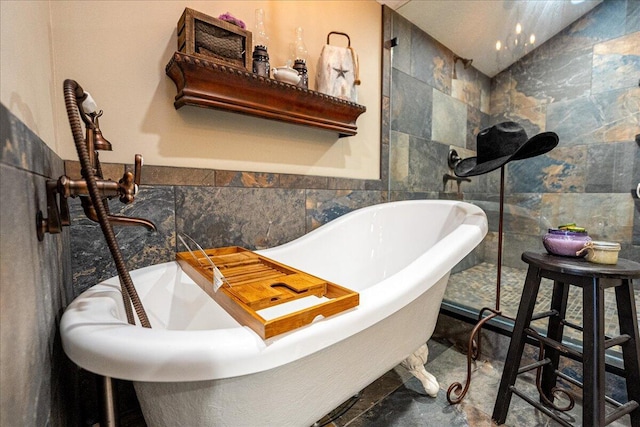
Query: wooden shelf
[204, 83]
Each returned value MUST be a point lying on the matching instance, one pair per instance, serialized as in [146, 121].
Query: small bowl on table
[602, 252]
[565, 242]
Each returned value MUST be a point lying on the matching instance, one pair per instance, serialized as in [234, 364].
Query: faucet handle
[138, 169]
[128, 184]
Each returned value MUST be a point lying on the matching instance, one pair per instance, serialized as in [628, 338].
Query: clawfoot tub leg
[415, 364]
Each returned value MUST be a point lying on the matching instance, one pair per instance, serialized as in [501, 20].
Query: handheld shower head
[99, 141]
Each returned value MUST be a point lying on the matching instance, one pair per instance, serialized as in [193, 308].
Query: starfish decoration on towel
[341, 72]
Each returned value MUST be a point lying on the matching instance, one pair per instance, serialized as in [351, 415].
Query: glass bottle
[300, 47]
[299, 58]
[260, 33]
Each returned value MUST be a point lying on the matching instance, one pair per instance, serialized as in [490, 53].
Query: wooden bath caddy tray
[257, 285]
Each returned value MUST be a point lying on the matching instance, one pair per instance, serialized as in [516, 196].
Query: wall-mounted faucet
[94, 191]
[58, 191]
[452, 160]
[448, 177]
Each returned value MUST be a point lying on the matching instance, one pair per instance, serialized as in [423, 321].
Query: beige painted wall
[117, 50]
[26, 66]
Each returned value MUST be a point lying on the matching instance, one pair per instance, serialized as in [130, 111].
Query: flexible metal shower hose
[73, 91]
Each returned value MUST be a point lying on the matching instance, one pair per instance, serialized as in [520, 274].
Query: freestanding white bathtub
[197, 366]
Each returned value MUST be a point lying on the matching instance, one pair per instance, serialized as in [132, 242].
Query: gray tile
[23, 149]
[253, 218]
[616, 63]
[431, 61]
[345, 184]
[302, 181]
[633, 16]
[602, 23]
[387, 35]
[323, 206]
[604, 117]
[408, 407]
[411, 106]
[626, 172]
[369, 397]
[449, 120]
[549, 76]
[247, 179]
[409, 195]
[560, 170]
[91, 260]
[166, 175]
[412, 164]
[472, 87]
[600, 166]
[606, 216]
[500, 95]
[402, 31]
[35, 286]
[399, 160]
[635, 237]
[521, 212]
[476, 121]
[427, 165]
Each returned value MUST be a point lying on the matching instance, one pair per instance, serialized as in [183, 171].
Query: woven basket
[214, 41]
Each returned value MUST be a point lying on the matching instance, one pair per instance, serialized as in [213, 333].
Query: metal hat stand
[457, 392]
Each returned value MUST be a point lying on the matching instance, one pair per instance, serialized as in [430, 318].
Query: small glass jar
[565, 242]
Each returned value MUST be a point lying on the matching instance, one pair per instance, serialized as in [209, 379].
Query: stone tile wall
[37, 382]
[582, 84]
[252, 210]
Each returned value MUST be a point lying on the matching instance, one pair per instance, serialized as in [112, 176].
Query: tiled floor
[397, 399]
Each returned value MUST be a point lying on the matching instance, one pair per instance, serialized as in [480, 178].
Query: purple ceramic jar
[564, 242]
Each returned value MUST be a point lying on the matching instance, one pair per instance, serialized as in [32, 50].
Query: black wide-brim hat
[501, 143]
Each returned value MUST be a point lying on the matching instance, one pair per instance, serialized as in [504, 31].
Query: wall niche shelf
[205, 83]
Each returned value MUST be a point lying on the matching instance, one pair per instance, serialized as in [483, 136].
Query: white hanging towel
[337, 71]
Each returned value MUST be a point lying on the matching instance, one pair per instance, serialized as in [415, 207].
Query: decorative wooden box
[205, 36]
[269, 297]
